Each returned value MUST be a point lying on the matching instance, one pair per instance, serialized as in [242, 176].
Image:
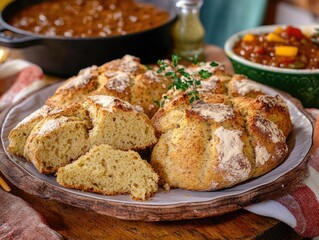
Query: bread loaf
[233, 133]
[219, 141]
[55, 142]
[108, 171]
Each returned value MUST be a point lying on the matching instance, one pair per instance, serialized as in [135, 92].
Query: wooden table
[76, 223]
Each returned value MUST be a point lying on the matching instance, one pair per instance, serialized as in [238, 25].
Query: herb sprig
[183, 80]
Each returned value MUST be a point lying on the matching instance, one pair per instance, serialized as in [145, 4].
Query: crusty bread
[56, 139]
[119, 124]
[128, 64]
[272, 108]
[240, 86]
[108, 171]
[18, 135]
[233, 133]
[124, 78]
[75, 89]
[218, 141]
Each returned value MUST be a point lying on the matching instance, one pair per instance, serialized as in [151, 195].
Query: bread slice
[19, 134]
[119, 124]
[52, 140]
[108, 171]
[56, 141]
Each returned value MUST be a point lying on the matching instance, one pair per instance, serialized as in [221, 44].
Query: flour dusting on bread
[270, 129]
[230, 155]
[271, 102]
[43, 111]
[262, 155]
[209, 84]
[52, 124]
[217, 112]
[78, 81]
[109, 102]
[120, 82]
[245, 86]
[152, 76]
[129, 64]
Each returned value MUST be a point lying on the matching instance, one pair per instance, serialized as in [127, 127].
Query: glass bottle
[188, 31]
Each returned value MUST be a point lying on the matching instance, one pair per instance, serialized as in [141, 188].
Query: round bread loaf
[219, 140]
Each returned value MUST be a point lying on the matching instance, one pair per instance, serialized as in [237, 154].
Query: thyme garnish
[183, 80]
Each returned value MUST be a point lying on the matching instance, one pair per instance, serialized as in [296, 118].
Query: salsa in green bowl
[266, 55]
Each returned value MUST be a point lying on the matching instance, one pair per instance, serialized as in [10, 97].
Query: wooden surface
[76, 223]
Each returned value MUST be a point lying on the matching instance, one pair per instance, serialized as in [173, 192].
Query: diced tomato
[294, 32]
[259, 49]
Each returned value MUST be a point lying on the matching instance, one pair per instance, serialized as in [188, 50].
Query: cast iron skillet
[64, 57]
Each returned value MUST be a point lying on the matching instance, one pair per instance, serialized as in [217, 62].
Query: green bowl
[302, 84]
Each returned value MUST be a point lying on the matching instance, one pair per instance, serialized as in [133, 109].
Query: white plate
[299, 142]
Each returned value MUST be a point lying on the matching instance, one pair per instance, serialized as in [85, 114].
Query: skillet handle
[15, 40]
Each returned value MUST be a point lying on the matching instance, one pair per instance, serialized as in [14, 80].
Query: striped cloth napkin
[299, 209]
[18, 78]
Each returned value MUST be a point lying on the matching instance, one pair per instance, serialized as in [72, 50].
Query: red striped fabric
[304, 205]
[27, 78]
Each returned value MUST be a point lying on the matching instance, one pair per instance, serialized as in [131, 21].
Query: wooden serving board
[148, 212]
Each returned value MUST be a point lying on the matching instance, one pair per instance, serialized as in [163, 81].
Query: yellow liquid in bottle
[188, 34]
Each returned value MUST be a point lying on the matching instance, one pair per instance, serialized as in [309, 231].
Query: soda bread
[124, 78]
[53, 139]
[18, 135]
[219, 141]
[108, 171]
[233, 133]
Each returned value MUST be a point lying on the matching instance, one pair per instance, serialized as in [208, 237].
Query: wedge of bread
[52, 140]
[109, 171]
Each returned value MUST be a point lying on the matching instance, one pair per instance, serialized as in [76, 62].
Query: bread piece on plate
[124, 78]
[213, 143]
[241, 86]
[272, 108]
[110, 172]
[57, 140]
[19, 134]
[75, 89]
[119, 124]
